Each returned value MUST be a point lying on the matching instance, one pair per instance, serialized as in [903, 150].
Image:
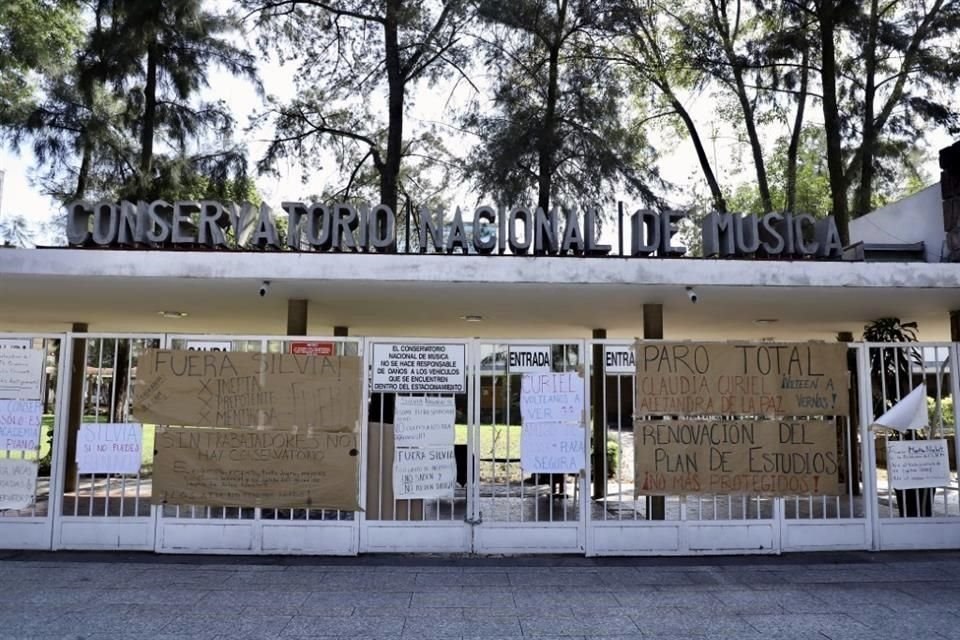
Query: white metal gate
[102, 511]
[495, 507]
[230, 529]
[624, 524]
[924, 518]
[30, 528]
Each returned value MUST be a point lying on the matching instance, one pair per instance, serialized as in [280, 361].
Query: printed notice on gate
[916, 464]
[21, 371]
[428, 472]
[424, 422]
[109, 448]
[18, 483]
[419, 368]
[20, 425]
[551, 397]
[547, 447]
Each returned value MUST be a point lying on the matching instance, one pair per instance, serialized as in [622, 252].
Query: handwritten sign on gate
[21, 373]
[547, 447]
[18, 483]
[109, 447]
[915, 464]
[20, 422]
[768, 379]
[551, 397]
[424, 422]
[424, 472]
[230, 389]
[247, 468]
[770, 457]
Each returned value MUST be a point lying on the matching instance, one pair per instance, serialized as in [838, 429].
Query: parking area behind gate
[495, 505]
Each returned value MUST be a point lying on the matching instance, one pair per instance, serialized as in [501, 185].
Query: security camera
[692, 295]
[264, 288]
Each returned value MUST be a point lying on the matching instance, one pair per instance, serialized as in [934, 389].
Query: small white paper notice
[18, 483]
[109, 447]
[424, 422]
[547, 447]
[21, 371]
[429, 472]
[20, 425]
[915, 464]
[551, 397]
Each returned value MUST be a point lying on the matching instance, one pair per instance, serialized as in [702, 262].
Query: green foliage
[36, 37]
[946, 412]
[557, 129]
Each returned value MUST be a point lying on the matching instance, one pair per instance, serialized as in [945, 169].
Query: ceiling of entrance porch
[434, 308]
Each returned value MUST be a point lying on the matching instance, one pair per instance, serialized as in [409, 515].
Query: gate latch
[474, 521]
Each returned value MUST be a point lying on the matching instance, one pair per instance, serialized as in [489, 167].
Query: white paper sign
[617, 359]
[109, 447]
[20, 425]
[16, 343]
[530, 359]
[551, 397]
[915, 464]
[420, 368]
[18, 483]
[21, 371]
[548, 447]
[907, 414]
[209, 345]
[429, 472]
[424, 422]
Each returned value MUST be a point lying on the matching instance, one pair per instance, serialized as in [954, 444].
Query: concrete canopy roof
[428, 295]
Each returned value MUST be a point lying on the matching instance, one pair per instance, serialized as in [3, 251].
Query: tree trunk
[864, 194]
[831, 120]
[723, 28]
[547, 150]
[793, 151]
[149, 120]
[390, 172]
[719, 203]
[83, 174]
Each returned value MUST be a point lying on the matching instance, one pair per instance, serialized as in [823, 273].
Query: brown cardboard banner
[230, 389]
[769, 457]
[246, 468]
[745, 379]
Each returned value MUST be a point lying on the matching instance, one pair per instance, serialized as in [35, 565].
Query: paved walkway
[852, 596]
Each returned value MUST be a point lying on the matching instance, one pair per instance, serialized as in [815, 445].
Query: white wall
[916, 218]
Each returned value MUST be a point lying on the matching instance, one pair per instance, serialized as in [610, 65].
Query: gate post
[599, 429]
[867, 452]
[78, 377]
[61, 412]
[653, 330]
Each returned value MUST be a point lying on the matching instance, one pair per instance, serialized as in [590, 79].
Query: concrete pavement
[848, 596]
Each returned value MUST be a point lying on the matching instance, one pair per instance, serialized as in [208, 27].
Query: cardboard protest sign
[765, 379]
[916, 464]
[770, 457]
[18, 483]
[551, 397]
[381, 503]
[424, 472]
[549, 447]
[20, 422]
[21, 372]
[424, 422]
[246, 468]
[231, 389]
[109, 447]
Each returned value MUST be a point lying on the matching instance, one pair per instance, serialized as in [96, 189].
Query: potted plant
[891, 371]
